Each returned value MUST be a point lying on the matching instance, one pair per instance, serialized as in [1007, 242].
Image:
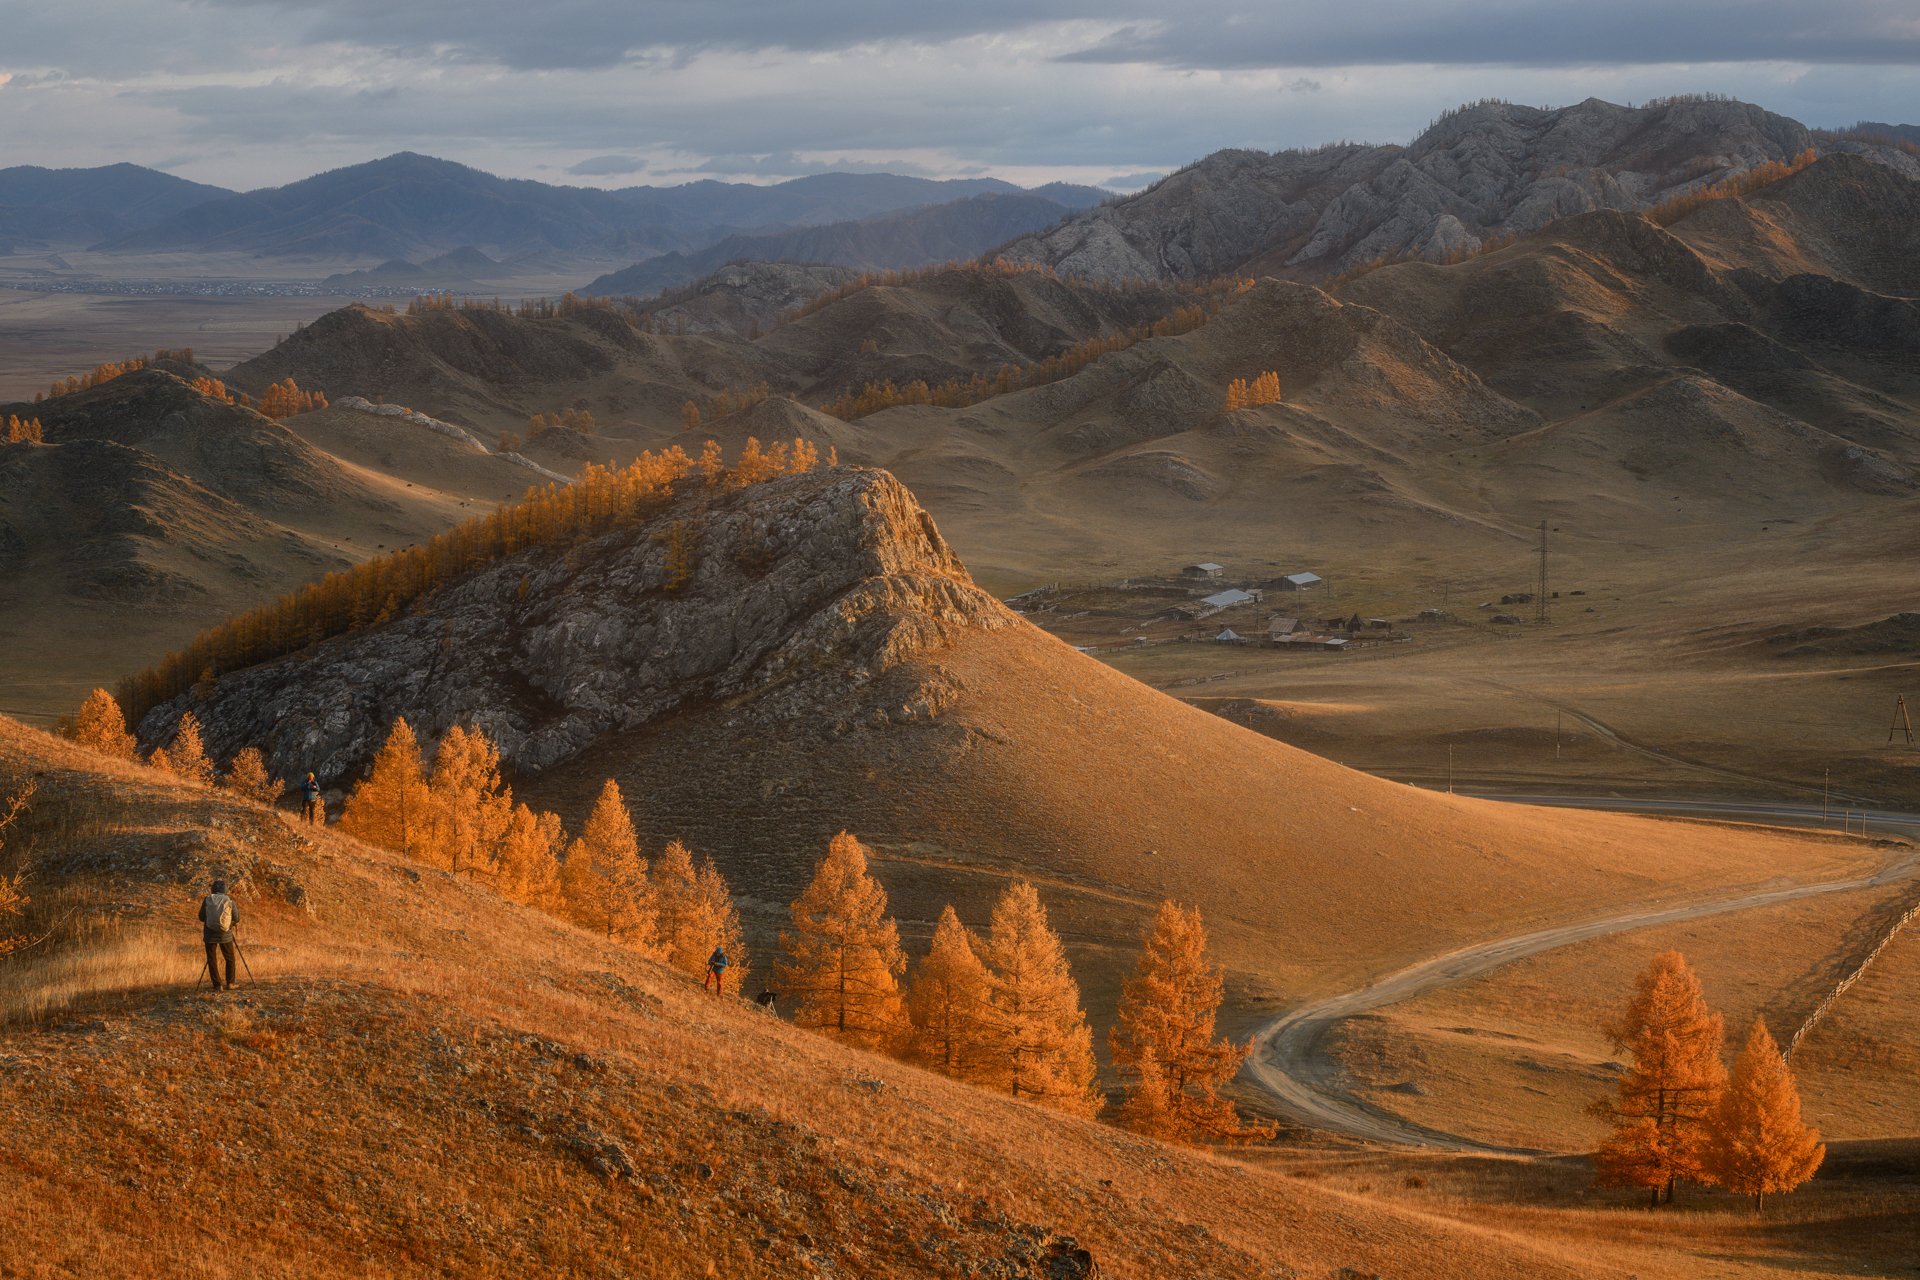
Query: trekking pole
[206, 969]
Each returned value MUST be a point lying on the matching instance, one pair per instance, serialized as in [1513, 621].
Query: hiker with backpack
[716, 971]
[315, 806]
[218, 915]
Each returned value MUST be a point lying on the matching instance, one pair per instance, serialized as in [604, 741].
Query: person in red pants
[716, 971]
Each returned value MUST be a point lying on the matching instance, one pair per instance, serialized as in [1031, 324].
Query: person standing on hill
[310, 796]
[218, 915]
[716, 971]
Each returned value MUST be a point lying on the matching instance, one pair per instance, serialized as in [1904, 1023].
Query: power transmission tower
[1540, 588]
[1902, 722]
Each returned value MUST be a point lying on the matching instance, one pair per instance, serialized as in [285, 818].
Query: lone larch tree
[100, 726]
[843, 960]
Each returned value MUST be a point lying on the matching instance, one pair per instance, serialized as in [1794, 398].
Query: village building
[1205, 569]
[1296, 582]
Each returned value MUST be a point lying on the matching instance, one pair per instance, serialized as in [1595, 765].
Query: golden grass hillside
[425, 1080]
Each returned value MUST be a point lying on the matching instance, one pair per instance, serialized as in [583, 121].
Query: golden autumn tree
[950, 1004]
[1672, 1083]
[1756, 1142]
[99, 726]
[528, 868]
[186, 756]
[1163, 1037]
[1043, 1048]
[843, 960]
[1237, 395]
[390, 807]
[470, 806]
[605, 878]
[689, 416]
[247, 778]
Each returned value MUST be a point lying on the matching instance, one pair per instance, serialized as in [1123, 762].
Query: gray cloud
[1199, 34]
[1525, 33]
[606, 166]
[259, 91]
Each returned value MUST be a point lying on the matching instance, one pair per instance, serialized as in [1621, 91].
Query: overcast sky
[250, 93]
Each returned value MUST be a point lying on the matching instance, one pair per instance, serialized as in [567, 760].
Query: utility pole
[1540, 588]
[1556, 733]
[1826, 791]
[1902, 722]
[1449, 768]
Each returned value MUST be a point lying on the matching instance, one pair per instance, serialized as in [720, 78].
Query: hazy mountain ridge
[412, 206]
[960, 230]
[68, 206]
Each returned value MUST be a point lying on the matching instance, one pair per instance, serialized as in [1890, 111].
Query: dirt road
[1288, 1061]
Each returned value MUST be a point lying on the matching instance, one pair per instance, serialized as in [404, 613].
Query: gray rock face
[804, 591]
[1480, 172]
[744, 297]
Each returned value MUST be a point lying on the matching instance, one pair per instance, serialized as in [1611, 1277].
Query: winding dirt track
[1289, 1064]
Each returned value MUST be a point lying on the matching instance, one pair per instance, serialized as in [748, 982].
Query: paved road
[1288, 1059]
[1878, 821]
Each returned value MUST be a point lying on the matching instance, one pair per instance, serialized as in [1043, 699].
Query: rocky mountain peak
[788, 601]
[1485, 170]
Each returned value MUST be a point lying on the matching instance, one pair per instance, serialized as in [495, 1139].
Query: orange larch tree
[1756, 1142]
[186, 756]
[605, 877]
[390, 807]
[1671, 1086]
[1163, 1037]
[247, 777]
[1043, 1047]
[99, 726]
[843, 959]
[950, 1004]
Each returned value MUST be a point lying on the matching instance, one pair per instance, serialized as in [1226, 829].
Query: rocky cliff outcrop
[803, 593]
[1480, 172]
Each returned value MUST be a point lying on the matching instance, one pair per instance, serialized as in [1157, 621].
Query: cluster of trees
[110, 370]
[721, 403]
[999, 1009]
[373, 592]
[1679, 1116]
[22, 430]
[215, 389]
[100, 373]
[1002, 1010]
[1263, 389]
[99, 725]
[1671, 210]
[958, 393]
[285, 400]
[460, 816]
[568, 304]
[580, 420]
